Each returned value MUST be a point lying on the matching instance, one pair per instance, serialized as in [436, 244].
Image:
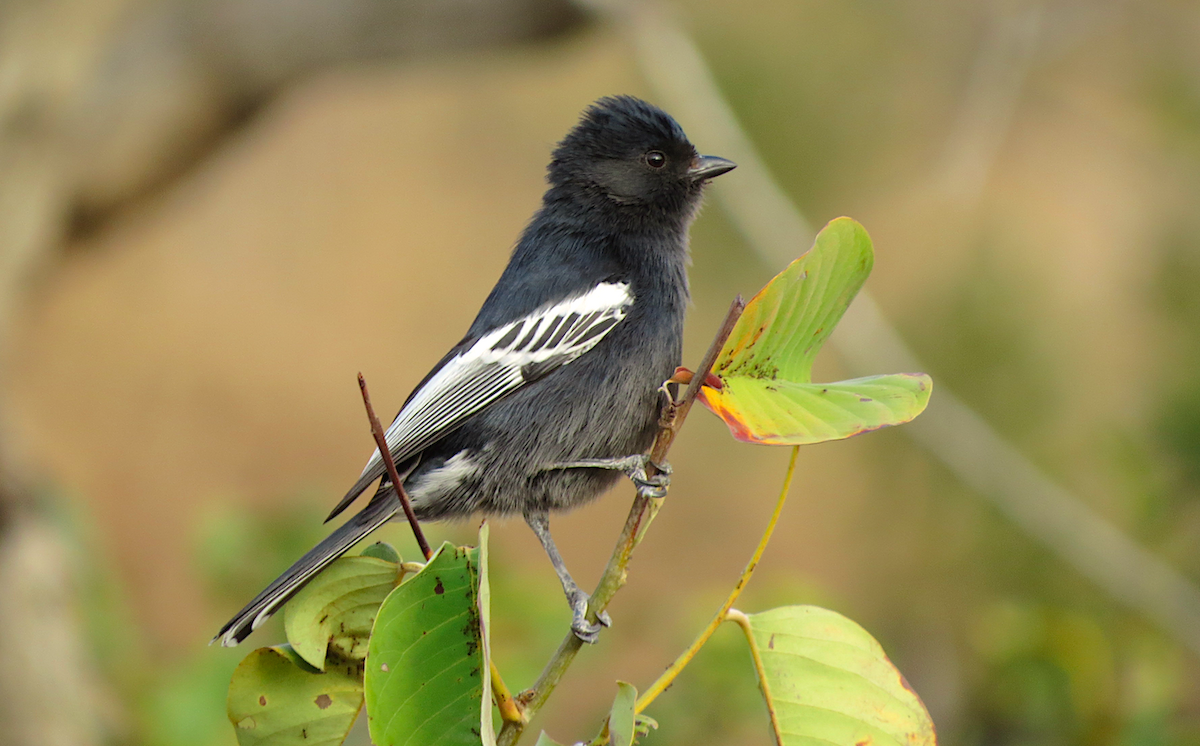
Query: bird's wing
[495, 365]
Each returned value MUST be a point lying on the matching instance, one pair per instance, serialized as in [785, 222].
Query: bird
[556, 389]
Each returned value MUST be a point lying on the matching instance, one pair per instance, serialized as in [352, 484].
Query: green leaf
[425, 668]
[275, 699]
[766, 394]
[384, 551]
[827, 680]
[336, 610]
[622, 720]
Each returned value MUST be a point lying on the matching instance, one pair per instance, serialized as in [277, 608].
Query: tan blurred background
[214, 214]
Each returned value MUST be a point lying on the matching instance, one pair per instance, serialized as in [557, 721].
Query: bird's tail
[374, 515]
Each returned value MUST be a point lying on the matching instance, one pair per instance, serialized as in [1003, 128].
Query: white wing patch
[434, 483]
[502, 361]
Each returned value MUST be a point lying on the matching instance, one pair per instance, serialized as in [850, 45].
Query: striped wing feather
[495, 365]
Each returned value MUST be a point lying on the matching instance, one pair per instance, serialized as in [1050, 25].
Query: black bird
[554, 391]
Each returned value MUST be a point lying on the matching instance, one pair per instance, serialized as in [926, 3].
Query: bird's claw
[650, 486]
[580, 626]
[653, 488]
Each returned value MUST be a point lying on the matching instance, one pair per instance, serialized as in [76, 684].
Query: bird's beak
[709, 166]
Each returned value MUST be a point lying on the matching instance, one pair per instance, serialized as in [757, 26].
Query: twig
[724, 613]
[679, 410]
[510, 711]
[389, 463]
[668, 676]
[635, 524]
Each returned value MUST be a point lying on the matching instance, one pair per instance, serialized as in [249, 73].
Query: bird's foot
[580, 626]
[650, 486]
[634, 467]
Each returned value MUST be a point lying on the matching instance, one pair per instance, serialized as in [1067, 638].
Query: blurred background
[214, 213]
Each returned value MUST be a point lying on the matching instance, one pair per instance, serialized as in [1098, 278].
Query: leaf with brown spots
[336, 610]
[425, 667]
[277, 699]
[765, 392]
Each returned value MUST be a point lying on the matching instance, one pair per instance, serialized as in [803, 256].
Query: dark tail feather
[370, 475]
[377, 513]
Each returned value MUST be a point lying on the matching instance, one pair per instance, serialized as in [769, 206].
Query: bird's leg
[633, 467]
[578, 600]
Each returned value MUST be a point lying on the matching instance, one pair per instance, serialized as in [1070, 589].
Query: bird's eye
[656, 159]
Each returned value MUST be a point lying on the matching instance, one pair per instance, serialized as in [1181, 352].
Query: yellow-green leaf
[828, 681]
[766, 394]
[338, 608]
[276, 699]
[384, 551]
[788, 413]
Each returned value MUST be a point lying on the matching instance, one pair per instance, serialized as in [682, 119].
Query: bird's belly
[501, 462]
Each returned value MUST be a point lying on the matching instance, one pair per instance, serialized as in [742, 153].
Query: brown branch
[509, 708]
[640, 513]
[677, 411]
[390, 464]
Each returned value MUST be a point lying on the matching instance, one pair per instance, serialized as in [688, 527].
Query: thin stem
[743, 621]
[639, 515]
[668, 676]
[510, 710]
[390, 464]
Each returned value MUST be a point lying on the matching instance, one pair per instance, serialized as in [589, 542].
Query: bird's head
[626, 152]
